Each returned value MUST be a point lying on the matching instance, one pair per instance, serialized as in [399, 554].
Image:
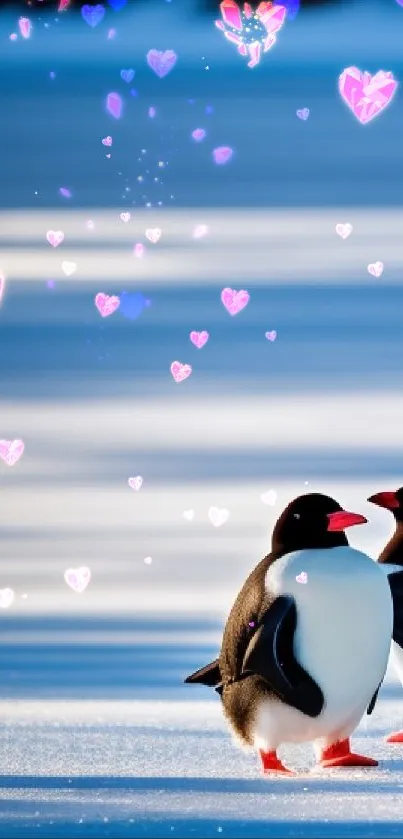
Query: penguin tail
[209, 675]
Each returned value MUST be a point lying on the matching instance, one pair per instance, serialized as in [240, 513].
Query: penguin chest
[344, 623]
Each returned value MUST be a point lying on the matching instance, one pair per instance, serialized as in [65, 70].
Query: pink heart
[234, 301]
[107, 141]
[375, 268]
[25, 26]
[200, 231]
[222, 155]
[11, 451]
[78, 578]
[153, 234]
[302, 577]
[364, 94]
[303, 113]
[106, 304]
[55, 237]
[161, 62]
[199, 339]
[344, 230]
[7, 595]
[136, 483]
[125, 217]
[138, 250]
[180, 371]
[271, 336]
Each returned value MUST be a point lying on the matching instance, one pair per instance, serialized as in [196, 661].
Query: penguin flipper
[373, 702]
[395, 581]
[270, 654]
[209, 675]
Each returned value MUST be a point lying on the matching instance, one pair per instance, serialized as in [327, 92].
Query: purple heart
[92, 14]
[127, 75]
[161, 62]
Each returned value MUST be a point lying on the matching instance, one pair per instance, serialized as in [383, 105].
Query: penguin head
[392, 501]
[313, 521]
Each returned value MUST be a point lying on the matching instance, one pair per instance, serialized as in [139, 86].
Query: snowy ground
[161, 769]
[165, 764]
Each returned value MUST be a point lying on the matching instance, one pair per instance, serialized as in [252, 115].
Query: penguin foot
[397, 737]
[339, 754]
[272, 764]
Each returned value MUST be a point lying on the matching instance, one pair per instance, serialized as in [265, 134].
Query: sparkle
[253, 29]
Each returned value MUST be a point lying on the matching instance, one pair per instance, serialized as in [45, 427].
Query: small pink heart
[153, 235]
[78, 578]
[138, 250]
[375, 268]
[55, 237]
[180, 371]
[161, 62]
[344, 230]
[199, 339]
[125, 217]
[200, 231]
[234, 301]
[136, 483]
[106, 304]
[222, 155]
[218, 516]
[107, 141]
[303, 113]
[7, 596]
[69, 268]
[25, 27]
[11, 451]
[302, 577]
[271, 336]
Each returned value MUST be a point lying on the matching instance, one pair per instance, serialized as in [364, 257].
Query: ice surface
[167, 766]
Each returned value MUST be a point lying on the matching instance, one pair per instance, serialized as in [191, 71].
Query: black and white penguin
[391, 560]
[307, 641]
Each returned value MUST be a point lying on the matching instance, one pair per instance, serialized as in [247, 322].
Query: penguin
[307, 641]
[391, 560]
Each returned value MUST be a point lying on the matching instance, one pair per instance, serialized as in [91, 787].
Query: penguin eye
[297, 516]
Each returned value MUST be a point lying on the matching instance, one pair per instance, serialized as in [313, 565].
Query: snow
[158, 767]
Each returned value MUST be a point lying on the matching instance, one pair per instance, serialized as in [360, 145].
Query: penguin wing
[396, 587]
[270, 654]
[209, 675]
[395, 581]
[374, 699]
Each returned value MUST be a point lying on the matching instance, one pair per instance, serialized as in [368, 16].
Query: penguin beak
[385, 499]
[343, 519]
